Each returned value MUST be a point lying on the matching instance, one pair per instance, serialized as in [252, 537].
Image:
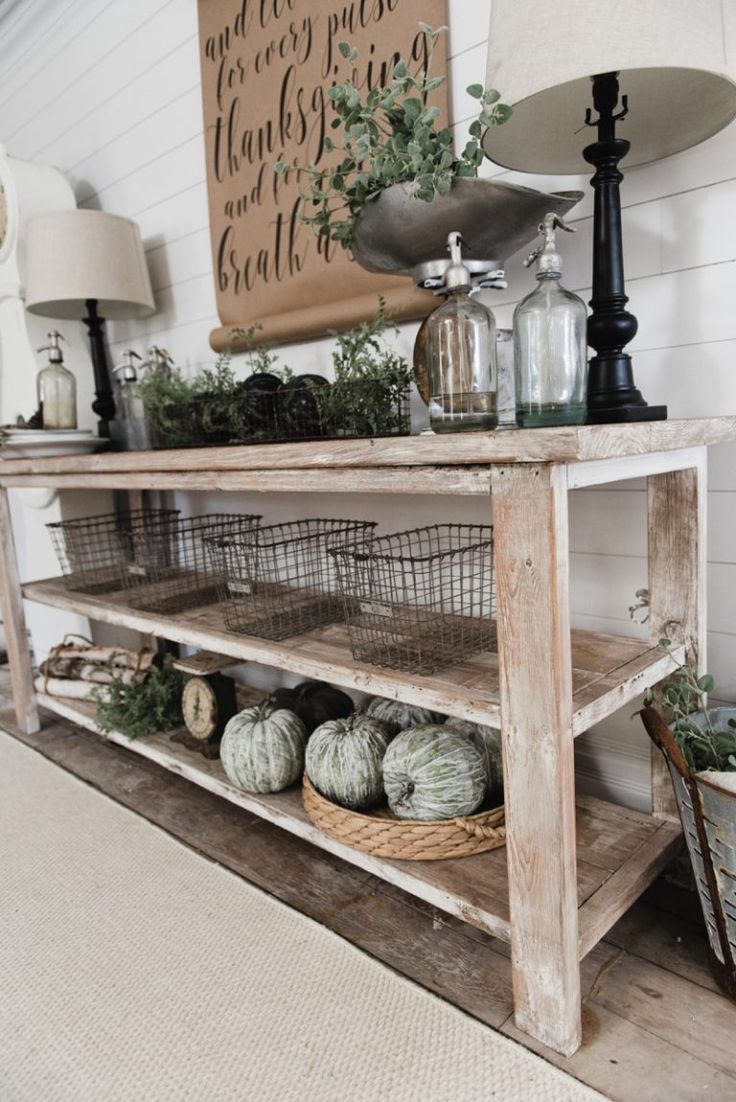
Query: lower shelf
[620, 852]
[608, 671]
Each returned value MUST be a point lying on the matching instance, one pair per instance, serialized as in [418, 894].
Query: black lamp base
[618, 415]
[104, 403]
[613, 397]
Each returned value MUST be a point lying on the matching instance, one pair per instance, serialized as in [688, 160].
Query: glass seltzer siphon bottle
[461, 346]
[550, 348]
[57, 388]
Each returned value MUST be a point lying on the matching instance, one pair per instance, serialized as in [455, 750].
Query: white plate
[21, 430]
[35, 445]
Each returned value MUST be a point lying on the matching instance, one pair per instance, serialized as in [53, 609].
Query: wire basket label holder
[109, 551]
[280, 580]
[419, 600]
[182, 571]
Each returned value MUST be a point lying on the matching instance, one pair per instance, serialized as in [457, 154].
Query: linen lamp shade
[74, 256]
[673, 62]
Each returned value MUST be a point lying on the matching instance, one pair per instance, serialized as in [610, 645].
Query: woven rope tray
[405, 839]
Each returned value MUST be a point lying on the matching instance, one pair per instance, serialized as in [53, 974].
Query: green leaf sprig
[142, 707]
[183, 412]
[678, 698]
[371, 381]
[390, 137]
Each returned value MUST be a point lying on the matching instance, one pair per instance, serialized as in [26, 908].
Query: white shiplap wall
[109, 93]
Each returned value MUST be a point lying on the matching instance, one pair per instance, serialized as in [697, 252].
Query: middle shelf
[608, 670]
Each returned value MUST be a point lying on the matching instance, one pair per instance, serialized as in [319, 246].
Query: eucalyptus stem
[704, 745]
[389, 137]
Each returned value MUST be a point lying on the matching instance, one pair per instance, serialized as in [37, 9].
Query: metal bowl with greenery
[391, 135]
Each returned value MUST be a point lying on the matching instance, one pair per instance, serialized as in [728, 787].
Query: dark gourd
[315, 702]
[298, 406]
[257, 400]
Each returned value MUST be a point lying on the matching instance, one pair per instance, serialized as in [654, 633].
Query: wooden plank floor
[656, 1029]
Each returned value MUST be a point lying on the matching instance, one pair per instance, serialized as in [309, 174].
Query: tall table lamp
[88, 264]
[657, 71]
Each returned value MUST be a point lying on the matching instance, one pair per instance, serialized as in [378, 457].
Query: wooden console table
[566, 874]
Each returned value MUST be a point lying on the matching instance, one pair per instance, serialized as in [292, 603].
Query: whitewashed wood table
[570, 868]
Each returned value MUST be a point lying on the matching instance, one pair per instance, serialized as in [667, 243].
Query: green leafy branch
[390, 137]
[371, 381]
[681, 696]
[142, 707]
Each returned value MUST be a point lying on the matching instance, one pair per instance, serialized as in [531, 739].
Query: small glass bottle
[550, 347]
[461, 348]
[133, 433]
[57, 388]
[159, 361]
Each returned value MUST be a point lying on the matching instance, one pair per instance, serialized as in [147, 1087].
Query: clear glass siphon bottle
[159, 361]
[133, 432]
[57, 388]
[461, 348]
[550, 347]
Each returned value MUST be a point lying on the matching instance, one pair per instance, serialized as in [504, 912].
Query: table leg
[14, 625]
[676, 504]
[531, 549]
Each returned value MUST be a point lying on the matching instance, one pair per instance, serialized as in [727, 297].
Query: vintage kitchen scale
[402, 235]
[208, 701]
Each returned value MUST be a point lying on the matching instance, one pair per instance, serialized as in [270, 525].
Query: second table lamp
[89, 265]
[660, 68]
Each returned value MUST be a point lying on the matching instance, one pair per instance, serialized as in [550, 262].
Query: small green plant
[390, 137]
[142, 707]
[371, 382]
[167, 399]
[261, 360]
[213, 396]
[683, 694]
[185, 412]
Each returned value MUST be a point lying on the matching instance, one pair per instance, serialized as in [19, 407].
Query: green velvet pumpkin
[262, 749]
[488, 741]
[343, 760]
[430, 772]
[397, 716]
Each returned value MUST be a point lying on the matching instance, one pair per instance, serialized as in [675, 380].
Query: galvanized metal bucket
[708, 815]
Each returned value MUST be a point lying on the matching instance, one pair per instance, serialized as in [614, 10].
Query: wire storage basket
[111, 550]
[184, 569]
[280, 580]
[419, 600]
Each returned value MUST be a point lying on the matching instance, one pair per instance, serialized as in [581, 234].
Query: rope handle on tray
[477, 830]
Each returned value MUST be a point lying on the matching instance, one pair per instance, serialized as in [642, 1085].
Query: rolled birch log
[74, 661]
[72, 690]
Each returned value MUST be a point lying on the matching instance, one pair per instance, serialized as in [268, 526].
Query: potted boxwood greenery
[183, 413]
[370, 392]
[390, 139]
[215, 407]
[369, 396]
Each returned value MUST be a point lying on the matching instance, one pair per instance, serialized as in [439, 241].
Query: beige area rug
[134, 970]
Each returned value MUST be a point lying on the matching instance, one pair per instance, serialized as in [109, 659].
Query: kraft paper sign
[267, 67]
